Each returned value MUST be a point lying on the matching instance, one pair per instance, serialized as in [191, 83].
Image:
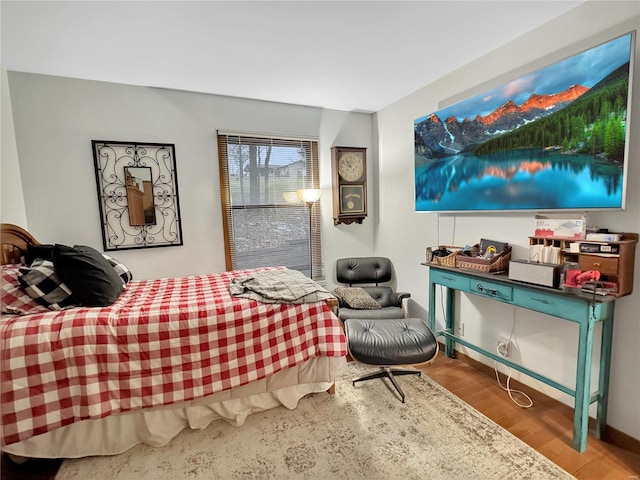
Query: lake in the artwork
[525, 179]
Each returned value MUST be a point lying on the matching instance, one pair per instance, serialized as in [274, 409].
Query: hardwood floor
[547, 427]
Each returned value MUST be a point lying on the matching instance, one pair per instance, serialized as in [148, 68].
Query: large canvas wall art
[555, 139]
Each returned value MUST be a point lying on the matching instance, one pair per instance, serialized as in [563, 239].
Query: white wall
[56, 118]
[11, 198]
[355, 240]
[543, 342]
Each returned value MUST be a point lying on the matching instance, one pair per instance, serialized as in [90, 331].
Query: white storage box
[555, 226]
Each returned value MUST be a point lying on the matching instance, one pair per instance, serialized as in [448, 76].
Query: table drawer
[562, 306]
[449, 279]
[605, 265]
[490, 289]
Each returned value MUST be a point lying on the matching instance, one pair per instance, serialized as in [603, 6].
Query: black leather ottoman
[390, 342]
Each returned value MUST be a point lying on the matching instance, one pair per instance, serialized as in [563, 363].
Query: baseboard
[611, 435]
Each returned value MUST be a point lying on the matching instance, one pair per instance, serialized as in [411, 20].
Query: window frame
[310, 180]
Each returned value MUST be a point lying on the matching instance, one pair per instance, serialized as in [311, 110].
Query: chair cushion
[385, 312]
[390, 342]
[357, 298]
[363, 270]
[383, 295]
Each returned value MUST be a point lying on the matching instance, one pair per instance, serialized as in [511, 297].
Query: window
[264, 221]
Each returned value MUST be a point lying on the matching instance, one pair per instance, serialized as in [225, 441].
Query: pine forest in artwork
[554, 139]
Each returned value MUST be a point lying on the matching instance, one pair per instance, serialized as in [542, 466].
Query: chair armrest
[400, 296]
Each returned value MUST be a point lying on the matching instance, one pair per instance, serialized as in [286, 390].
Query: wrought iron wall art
[138, 194]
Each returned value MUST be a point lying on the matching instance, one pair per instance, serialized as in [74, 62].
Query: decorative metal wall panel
[138, 194]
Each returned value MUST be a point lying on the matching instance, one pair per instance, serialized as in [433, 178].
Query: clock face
[351, 166]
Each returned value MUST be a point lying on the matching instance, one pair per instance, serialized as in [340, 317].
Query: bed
[166, 355]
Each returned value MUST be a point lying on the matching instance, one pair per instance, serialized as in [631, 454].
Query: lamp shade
[291, 197]
[309, 195]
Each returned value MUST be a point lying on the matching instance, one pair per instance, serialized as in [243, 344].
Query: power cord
[503, 350]
[500, 349]
[511, 391]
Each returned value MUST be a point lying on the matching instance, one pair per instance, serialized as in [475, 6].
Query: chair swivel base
[388, 372]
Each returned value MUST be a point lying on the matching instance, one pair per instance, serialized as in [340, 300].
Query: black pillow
[45, 252]
[92, 279]
[121, 269]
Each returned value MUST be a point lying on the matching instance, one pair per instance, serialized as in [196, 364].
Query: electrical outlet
[461, 329]
[503, 347]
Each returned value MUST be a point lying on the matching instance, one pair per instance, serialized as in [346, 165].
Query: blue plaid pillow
[41, 283]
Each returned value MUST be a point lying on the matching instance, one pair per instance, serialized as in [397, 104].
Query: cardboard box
[560, 226]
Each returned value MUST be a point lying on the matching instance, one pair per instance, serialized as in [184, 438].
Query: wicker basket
[449, 260]
[497, 263]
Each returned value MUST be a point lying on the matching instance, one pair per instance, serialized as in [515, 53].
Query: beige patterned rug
[363, 432]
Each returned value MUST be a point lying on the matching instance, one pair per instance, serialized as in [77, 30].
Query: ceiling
[353, 56]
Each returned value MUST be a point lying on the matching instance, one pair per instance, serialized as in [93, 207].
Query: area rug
[362, 432]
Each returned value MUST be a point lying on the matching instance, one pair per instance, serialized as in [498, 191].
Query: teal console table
[584, 310]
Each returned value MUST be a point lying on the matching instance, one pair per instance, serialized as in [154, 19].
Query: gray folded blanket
[278, 286]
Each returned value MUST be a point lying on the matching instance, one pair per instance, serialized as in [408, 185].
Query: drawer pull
[482, 289]
[596, 264]
[541, 300]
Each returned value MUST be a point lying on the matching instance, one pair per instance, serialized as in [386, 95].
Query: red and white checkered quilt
[163, 341]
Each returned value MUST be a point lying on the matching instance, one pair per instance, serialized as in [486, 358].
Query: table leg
[432, 306]
[603, 375]
[583, 381]
[450, 345]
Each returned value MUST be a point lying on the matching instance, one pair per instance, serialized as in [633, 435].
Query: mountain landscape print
[554, 139]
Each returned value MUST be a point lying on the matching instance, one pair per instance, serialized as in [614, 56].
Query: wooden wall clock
[349, 178]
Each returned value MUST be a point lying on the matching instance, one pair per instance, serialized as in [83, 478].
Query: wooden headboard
[14, 243]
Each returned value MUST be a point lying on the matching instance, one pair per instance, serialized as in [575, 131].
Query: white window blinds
[265, 223]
